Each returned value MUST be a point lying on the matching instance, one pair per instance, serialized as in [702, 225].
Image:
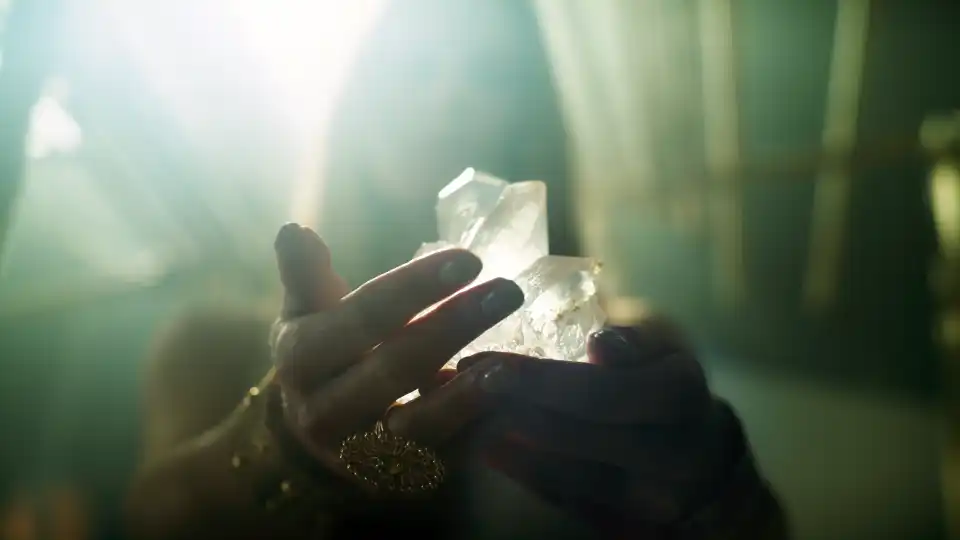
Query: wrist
[742, 505]
[296, 486]
[234, 481]
[285, 478]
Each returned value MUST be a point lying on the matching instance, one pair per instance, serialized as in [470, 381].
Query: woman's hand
[632, 441]
[342, 361]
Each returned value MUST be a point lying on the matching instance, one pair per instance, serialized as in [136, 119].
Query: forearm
[196, 492]
[232, 482]
[243, 480]
[186, 496]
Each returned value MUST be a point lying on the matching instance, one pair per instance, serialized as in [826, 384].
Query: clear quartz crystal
[560, 308]
[514, 234]
[506, 226]
[464, 203]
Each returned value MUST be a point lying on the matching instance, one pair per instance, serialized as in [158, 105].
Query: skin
[632, 442]
[355, 383]
[341, 364]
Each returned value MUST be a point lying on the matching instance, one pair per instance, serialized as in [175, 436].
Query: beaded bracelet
[267, 458]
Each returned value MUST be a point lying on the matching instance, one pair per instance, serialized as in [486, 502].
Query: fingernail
[503, 300]
[499, 379]
[611, 342]
[286, 237]
[460, 271]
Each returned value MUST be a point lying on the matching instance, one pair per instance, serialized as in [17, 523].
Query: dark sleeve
[748, 510]
[745, 508]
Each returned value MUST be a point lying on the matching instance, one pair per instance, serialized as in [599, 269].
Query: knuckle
[399, 419]
[392, 375]
[285, 342]
[359, 319]
[295, 343]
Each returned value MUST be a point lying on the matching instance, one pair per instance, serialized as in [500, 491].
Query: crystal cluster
[505, 224]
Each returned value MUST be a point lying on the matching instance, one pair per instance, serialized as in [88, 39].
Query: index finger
[325, 343]
[666, 392]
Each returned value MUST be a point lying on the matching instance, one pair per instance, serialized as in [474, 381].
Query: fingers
[358, 397]
[309, 282]
[669, 391]
[442, 377]
[316, 347]
[617, 503]
[437, 416]
[665, 465]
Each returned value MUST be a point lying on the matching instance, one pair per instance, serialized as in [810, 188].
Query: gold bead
[236, 461]
[254, 392]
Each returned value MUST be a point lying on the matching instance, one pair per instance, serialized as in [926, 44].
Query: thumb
[309, 281]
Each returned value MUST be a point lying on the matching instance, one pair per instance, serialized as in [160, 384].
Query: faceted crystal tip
[465, 177]
[514, 235]
[506, 226]
[465, 203]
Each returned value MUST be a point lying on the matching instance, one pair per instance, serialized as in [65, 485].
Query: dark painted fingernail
[461, 270]
[611, 343]
[468, 362]
[500, 378]
[504, 298]
[287, 237]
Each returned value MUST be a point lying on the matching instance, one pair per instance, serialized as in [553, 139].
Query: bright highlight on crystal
[505, 224]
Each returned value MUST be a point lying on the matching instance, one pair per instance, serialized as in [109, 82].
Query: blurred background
[779, 176]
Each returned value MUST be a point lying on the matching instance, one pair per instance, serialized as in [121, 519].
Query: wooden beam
[722, 144]
[940, 137]
[831, 199]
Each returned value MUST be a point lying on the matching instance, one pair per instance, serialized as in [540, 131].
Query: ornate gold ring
[391, 464]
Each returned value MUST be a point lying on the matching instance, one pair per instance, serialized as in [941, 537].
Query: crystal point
[560, 308]
[465, 202]
[506, 226]
[514, 235]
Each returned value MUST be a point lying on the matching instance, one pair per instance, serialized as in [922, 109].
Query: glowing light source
[945, 199]
[52, 130]
[305, 46]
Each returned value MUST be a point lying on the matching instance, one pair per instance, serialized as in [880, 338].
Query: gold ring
[391, 464]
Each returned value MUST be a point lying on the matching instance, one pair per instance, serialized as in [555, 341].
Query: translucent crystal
[560, 308]
[506, 226]
[463, 204]
[514, 234]
[432, 247]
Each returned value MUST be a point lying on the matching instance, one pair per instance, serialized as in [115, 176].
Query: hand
[632, 439]
[343, 359]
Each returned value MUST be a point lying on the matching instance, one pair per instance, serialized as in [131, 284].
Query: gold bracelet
[260, 459]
